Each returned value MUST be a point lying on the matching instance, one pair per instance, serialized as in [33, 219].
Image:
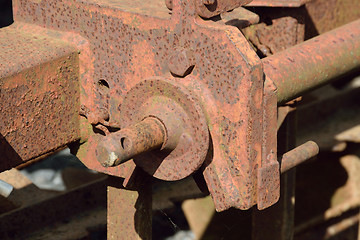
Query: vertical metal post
[277, 221]
[129, 210]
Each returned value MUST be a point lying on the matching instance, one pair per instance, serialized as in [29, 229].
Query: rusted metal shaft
[298, 155]
[131, 141]
[315, 62]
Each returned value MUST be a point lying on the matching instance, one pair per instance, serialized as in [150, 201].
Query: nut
[181, 62]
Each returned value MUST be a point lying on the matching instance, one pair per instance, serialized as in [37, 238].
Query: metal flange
[187, 137]
[163, 119]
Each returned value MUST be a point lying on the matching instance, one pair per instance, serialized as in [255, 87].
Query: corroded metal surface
[130, 142]
[279, 29]
[311, 64]
[240, 17]
[184, 143]
[281, 214]
[277, 3]
[298, 155]
[268, 185]
[135, 43]
[39, 95]
[181, 61]
[200, 78]
[187, 136]
[329, 14]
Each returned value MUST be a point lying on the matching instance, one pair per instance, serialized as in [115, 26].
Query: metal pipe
[315, 62]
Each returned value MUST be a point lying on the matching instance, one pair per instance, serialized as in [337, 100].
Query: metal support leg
[129, 211]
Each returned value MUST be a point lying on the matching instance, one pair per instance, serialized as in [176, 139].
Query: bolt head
[181, 61]
[169, 4]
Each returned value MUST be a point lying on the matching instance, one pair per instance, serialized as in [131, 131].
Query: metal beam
[39, 95]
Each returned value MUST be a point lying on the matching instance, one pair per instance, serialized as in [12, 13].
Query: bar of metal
[280, 215]
[298, 155]
[315, 62]
[132, 141]
[39, 95]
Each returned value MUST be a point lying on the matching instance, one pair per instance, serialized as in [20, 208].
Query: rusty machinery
[170, 87]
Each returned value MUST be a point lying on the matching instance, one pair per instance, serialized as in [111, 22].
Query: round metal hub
[187, 136]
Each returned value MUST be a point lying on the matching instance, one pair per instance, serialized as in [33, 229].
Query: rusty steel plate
[184, 121]
[326, 15]
[284, 28]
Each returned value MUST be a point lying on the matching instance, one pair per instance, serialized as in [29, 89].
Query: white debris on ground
[182, 235]
[46, 174]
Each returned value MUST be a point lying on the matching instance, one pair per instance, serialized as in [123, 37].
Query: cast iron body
[213, 99]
